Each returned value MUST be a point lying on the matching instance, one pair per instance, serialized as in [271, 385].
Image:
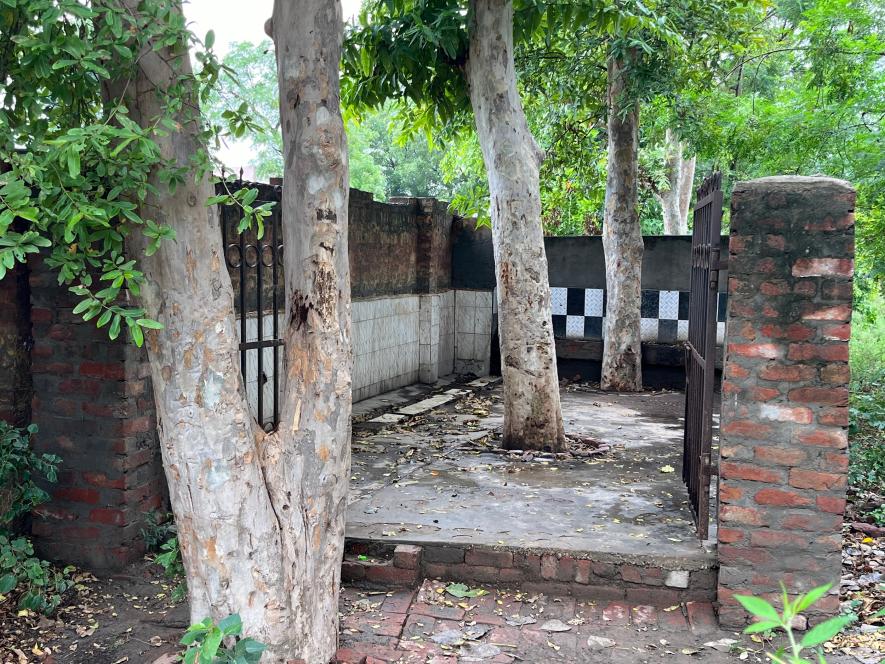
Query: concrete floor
[433, 478]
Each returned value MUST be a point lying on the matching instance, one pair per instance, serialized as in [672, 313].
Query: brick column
[94, 407]
[785, 391]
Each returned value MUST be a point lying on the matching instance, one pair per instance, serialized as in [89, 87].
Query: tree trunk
[307, 464]
[622, 240]
[532, 412]
[680, 177]
[260, 516]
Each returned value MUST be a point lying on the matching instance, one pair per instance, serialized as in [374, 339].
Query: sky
[234, 20]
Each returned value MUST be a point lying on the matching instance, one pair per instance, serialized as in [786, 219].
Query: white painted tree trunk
[622, 241]
[532, 412]
[260, 516]
[680, 178]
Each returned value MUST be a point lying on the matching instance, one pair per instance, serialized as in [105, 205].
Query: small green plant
[20, 467]
[205, 643]
[36, 584]
[769, 620]
[170, 560]
[159, 528]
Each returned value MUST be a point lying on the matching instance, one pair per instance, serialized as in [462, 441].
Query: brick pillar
[94, 407]
[785, 391]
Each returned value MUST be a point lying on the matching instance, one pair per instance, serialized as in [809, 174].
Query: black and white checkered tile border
[578, 313]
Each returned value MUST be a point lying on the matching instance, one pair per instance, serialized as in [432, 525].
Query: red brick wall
[15, 345]
[93, 405]
[785, 390]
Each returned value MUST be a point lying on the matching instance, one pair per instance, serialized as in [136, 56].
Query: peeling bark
[260, 516]
[532, 412]
[680, 178]
[622, 241]
[307, 463]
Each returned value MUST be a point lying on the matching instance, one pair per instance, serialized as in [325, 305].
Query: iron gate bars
[256, 269]
[700, 370]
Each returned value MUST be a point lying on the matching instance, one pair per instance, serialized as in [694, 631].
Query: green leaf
[811, 597]
[150, 324]
[758, 607]
[762, 626]
[210, 646]
[7, 583]
[460, 591]
[114, 330]
[826, 630]
[209, 42]
[232, 625]
[137, 335]
[73, 163]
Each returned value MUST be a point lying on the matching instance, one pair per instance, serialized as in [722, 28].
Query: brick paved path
[400, 626]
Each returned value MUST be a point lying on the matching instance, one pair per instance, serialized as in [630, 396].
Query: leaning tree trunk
[308, 463]
[532, 412]
[622, 240]
[260, 516]
[680, 177]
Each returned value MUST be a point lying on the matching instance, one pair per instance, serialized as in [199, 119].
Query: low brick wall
[657, 583]
[785, 394]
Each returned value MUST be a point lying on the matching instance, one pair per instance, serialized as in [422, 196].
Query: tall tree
[675, 197]
[115, 167]
[466, 62]
[622, 235]
[533, 416]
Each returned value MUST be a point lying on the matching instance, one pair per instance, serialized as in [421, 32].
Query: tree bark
[680, 177]
[260, 516]
[307, 463]
[532, 412]
[622, 240]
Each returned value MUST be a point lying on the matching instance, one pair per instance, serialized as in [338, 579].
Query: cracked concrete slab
[440, 479]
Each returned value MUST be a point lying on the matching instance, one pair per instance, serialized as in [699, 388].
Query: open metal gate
[700, 369]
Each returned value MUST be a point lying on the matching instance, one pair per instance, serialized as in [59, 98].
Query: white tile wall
[385, 344]
[446, 333]
[473, 331]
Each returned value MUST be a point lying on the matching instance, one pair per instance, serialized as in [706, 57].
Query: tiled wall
[385, 344]
[473, 331]
[578, 313]
[446, 332]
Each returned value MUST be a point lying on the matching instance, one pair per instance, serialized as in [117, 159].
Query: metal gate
[700, 360]
[256, 269]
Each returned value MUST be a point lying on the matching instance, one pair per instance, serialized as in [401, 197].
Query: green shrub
[769, 620]
[205, 643]
[170, 560]
[20, 466]
[159, 528]
[34, 583]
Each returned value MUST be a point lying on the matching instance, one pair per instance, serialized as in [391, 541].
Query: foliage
[20, 467]
[79, 167]
[866, 470]
[160, 535]
[171, 561]
[379, 162]
[205, 643]
[158, 528]
[37, 585]
[768, 620]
